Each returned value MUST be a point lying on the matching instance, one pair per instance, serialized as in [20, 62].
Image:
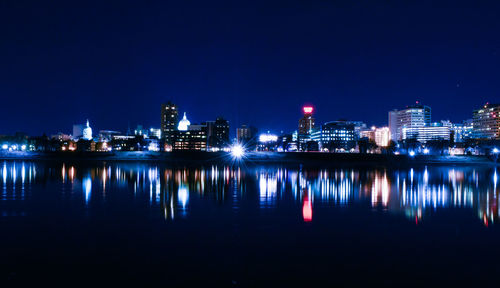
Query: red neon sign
[308, 109]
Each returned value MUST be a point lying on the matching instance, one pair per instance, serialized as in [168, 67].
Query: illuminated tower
[306, 123]
[169, 120]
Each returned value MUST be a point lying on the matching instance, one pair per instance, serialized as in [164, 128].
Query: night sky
[251, 62]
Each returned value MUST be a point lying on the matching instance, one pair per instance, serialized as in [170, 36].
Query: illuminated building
[107, 135]
[436, 131]
[194, 138]
[169, 118]
[61, 137]
[140, 131]
[155, 132]
[337, 135]
[486, 122]
[306, 125]
[382, 136]
[358, 127]
[87, 132]
[378, 135]
[412, 117]
[247, 136]
[218, 133]
[267, 142]
[183, 124]
[393, 125]
[462, 132]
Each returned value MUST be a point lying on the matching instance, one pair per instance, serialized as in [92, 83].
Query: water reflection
[414, 192]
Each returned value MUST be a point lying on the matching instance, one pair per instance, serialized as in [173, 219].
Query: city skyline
[245, 61]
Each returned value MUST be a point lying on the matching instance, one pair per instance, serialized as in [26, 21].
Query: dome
[87, 132]
[184, 123]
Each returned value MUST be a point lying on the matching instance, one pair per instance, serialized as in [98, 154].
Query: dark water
[148, 224]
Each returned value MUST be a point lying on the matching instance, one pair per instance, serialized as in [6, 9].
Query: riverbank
[304, 158]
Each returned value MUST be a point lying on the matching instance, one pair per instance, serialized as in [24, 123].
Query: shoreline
[252, 158]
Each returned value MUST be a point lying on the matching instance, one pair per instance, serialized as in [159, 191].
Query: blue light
[411, 153]
[5, 146]
[495, 150]
[426, 151]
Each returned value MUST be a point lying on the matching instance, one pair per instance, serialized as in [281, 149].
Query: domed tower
[183, 124]
[87, 132]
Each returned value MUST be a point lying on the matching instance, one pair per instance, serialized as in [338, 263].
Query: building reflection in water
[413, 192]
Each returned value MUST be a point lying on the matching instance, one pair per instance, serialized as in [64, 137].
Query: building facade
[434, 132]
[306, 126]
[410, 119]
[218, 134]
[336, 135]
[169, 119]
[486, 122]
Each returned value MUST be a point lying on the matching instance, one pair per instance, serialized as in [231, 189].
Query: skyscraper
[169, 120]
[306, 127]
[486, 122]
[411, 117]
[306, 123]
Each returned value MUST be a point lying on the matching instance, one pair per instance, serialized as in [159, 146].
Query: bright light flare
[495, 150]
[237, 151]
[412, 153]
[426, 151]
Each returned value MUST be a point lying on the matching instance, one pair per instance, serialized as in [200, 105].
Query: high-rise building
[245, 133]
[306, 126]
[247, 136]
[393, 125]
[412, 116]
[218, 133]
[169, 120]
[306, 123]
[486, 122]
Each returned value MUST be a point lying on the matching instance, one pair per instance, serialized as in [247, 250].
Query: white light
[426, 151]
[412, 153]
[268, 138]
[23, 147]
[237, 151]
[5, 146]
[495, 150]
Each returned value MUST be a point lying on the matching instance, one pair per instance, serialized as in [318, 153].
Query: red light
[308, 109]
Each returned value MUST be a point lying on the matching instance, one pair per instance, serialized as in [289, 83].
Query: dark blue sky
[252, 62]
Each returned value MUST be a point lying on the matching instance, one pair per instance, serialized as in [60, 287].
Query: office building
[336, 135]
[412, 117]
[306, 123]
[169, 120]
[218, 134]
[193, 138]
[423, 134]
[462, 131]
[486, 122]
